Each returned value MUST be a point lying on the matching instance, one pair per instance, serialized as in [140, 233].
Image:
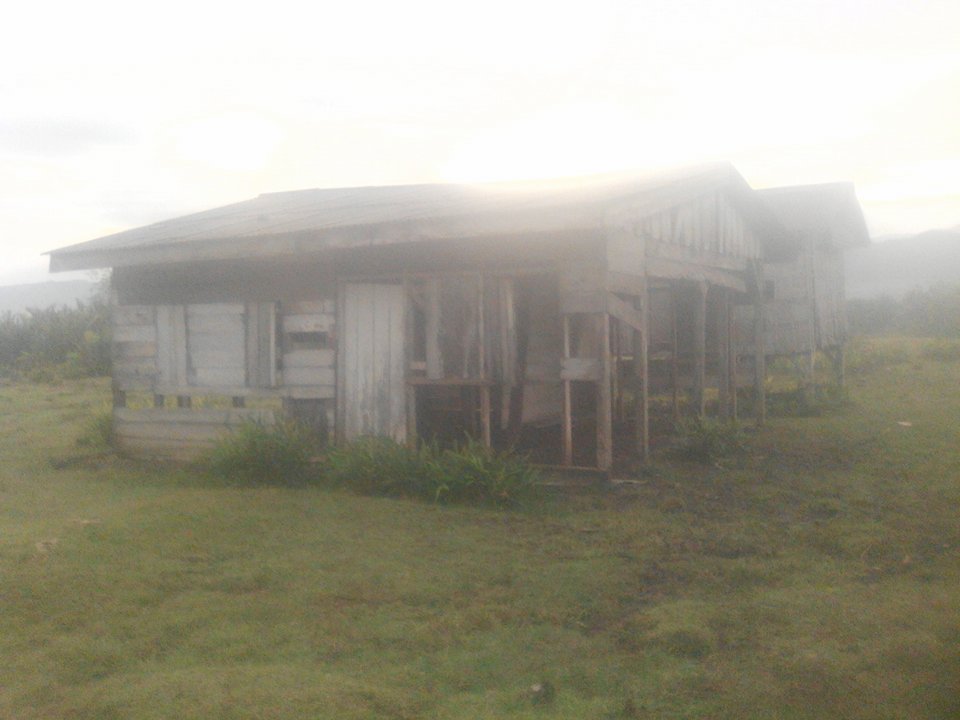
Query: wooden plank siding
[179, 434]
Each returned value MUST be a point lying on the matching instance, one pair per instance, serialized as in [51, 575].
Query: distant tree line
[50, 343]
[933, 312]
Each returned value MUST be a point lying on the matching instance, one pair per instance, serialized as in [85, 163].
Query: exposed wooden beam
[624, 311]
[681, 270]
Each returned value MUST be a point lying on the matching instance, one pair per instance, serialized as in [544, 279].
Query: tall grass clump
[708, 440]
[471, 473]
[867, 355]
[43, 345]
[255, 453]
[941, 350]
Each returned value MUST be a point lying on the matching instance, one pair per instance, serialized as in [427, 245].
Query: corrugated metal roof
[830, 212]
[354, 217]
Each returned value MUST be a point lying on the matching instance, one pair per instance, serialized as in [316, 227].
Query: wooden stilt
[733, 359]
[723, 352]
[759, 352]
[674, 355]
[700, 348]
[567, 402]
[641, 355]
[604, 405]
[410, 390]
[484, 389]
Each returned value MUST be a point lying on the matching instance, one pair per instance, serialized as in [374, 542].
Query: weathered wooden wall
[179, 434]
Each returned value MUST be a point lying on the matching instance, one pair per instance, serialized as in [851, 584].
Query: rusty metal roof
[829, 213]
[310, 220]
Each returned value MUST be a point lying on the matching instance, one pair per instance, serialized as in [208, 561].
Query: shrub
[941, 350]
[864, 356]
[45, 345]
[708, 440]
[281, 454]
[468, 473]
[98, 434]
[807, 402]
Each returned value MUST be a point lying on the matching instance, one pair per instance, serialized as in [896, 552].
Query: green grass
[814, 576]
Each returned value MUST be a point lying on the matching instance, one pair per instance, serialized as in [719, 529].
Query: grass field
[816, 576]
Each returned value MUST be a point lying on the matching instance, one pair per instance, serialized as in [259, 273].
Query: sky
[117, 114]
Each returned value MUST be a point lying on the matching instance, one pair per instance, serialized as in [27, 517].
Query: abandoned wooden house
[543, 315]
[804, 308]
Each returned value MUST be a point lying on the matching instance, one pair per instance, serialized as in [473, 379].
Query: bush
[45, 345]
[469, 473]
[708, 440]
[98, 433]
[279, 454]
[864, 356]
[941, 350]
[807, 402]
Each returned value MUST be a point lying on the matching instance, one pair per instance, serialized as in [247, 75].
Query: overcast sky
[118, 114]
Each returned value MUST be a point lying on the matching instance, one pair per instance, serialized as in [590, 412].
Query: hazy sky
[118, 114]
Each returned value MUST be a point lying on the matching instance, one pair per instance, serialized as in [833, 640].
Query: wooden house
[540, 315]
[804, 306]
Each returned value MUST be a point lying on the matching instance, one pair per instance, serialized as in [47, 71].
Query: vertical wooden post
[410, 390]
[604, 406]
[674, 354]
[482, 360]
[759, 351]
[733, 358]
[700, 348]
[615, 370]
[567, 409]
[641, 347]
[435, 369]
[723, 351]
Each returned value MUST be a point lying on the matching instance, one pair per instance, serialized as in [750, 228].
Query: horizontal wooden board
[193, 416]
[581, 369]
[310, 307]
[212, 357]
[133, 315]
[139, 350]
[309, 376]
[308, 323]
[310, 392]
[215, 310]
[309, 359]
[218, 377]
[134, 333]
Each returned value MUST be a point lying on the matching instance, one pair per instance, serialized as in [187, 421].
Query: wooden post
[435, 369]
[482, 361]
[733, 359]
[674, 354]
[410, 389]
[759, 351]
[567, 409]
[604, 406]
[615, 370]
[700, 348]
[723, 351]
[641, 359]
